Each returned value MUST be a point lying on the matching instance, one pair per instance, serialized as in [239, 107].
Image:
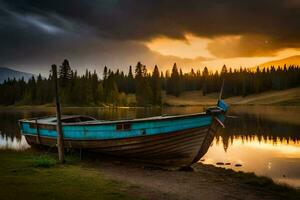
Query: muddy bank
[205, 182]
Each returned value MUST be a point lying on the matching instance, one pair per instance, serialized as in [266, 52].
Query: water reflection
[263, 139]
[260, 142]
[280, 160]
[249, 127]
[10, 137]
[13, 143]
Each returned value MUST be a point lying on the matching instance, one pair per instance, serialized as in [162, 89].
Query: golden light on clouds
[233, 50]
[192, 47]
[236, 62]
[288, 52]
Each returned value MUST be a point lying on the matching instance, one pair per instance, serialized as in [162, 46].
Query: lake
[260, 139]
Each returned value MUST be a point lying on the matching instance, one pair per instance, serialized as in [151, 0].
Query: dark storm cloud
[143, 19]
[35, 29]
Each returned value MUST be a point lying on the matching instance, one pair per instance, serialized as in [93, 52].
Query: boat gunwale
[92, 123]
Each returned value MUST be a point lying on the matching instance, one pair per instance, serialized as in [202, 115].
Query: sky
[117, 33]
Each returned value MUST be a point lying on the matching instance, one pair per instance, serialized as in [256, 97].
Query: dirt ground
[205, 182]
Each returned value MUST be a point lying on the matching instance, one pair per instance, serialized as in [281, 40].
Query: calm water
[263, 139]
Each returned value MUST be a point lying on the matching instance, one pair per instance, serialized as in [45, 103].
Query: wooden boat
[164, 140]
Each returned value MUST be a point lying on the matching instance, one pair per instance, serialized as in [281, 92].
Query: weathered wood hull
[180, 148]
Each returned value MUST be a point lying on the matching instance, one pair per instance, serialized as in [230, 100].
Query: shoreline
[105, 177]
[289, 97]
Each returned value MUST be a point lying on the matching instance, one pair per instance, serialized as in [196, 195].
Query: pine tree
[156, 86]
[64, 73]
[105, 73]
[174, 82]
[130, 81]
[143, 90]
[204, 84]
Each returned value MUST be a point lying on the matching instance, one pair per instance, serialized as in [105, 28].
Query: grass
[289, 97]
[45, 161]
[26, 175]
[190, 98]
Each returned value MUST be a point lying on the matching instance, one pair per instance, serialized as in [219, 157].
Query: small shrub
[44, 161]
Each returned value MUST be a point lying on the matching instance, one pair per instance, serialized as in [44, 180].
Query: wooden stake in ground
[60, 136]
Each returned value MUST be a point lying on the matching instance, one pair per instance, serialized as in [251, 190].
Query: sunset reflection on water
[276, 158]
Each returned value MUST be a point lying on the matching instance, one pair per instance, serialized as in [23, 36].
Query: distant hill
[292, 60]
[6, 73]
[288, 97]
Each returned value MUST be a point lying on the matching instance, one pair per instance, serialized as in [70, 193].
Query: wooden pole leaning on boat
[222, 87]
[220, 98]
[60, 136]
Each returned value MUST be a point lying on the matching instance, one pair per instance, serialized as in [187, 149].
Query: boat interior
[74, 119]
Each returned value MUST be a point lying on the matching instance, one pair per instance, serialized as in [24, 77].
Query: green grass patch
[28, 175]
[45, 161]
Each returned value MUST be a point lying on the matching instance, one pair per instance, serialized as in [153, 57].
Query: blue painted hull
[102, 131]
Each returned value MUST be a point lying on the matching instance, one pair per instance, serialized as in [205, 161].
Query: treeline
[143, 88]
[114, 88]
[238, 82]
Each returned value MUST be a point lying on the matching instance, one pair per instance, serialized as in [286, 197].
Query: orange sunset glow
[192, 47]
